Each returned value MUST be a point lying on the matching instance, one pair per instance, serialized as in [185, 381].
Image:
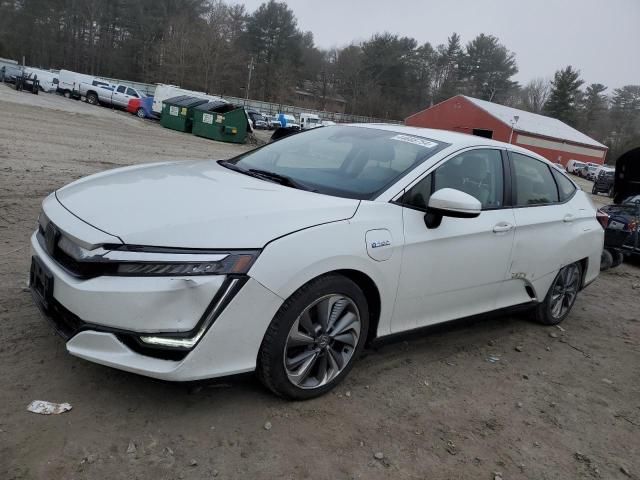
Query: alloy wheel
[565, 291]
[322, 341]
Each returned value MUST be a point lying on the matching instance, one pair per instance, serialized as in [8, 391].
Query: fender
[289, 262]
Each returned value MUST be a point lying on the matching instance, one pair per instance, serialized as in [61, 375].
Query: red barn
[551, 138]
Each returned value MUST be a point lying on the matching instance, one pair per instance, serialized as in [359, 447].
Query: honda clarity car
[289, 259]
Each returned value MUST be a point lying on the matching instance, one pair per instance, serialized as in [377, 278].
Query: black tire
[92, 99]
[594, 190]
[66, 94]
[611, 192]
[140, 113]
[271, 357]
[543, 312]
[618, 258]
[606, 260]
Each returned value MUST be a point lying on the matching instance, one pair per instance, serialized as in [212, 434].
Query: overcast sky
[599, 37]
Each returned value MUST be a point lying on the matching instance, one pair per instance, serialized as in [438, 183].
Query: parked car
[48, 80]
[142, 107]
[69, 83]
[573, 165]
[164, 92]
[288, 121]
[621, 229]
[309, 120]
[273, 122]
[580, 171]
[9, 73]
[604, 182]
[591, 171]
[114, 95]
[258, 121]
[289, 258]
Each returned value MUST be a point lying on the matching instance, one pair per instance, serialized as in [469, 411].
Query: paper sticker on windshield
[415, 140]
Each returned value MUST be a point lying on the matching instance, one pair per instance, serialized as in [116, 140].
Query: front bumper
[102, 319]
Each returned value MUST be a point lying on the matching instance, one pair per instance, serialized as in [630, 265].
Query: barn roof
[535, 124]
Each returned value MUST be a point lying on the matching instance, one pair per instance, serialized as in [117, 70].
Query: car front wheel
[314, 339]
[561, 296]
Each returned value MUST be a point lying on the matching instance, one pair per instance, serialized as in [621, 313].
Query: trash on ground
[48, 408]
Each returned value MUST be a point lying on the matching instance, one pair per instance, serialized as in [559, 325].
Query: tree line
[211, 45]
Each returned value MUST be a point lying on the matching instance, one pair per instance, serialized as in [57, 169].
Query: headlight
[172, 264]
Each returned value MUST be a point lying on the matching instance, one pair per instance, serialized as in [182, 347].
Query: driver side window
[476, 172]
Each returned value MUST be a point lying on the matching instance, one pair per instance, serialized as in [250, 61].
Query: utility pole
[250, 67]
[513, 126]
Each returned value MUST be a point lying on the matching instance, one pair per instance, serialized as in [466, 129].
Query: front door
[456, 269]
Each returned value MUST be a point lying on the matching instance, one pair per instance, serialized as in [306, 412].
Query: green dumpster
[220, 121]
[177, 112]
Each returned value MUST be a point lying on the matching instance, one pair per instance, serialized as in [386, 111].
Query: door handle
[568, 218]
[502, 227]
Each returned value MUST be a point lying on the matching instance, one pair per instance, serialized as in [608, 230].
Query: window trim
[506, 181]
[514, 182]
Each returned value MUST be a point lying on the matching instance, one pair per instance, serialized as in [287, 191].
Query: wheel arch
[371, 292]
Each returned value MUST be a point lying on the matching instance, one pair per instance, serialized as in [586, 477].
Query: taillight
[632, 226]
[603, 218]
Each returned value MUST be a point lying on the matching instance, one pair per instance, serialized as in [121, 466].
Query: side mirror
[448, 202]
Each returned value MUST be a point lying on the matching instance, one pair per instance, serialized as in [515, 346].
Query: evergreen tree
[593, 109]
[563, 99]
[488, 67]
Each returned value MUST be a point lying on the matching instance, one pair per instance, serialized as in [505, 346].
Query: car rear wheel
[606, 260]
[594, 190]
[92, 99]
[140, 113]
[561, 296]
[618, 258]
[314, 339]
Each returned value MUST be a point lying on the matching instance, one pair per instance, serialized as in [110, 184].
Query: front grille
[68, 263]
[65, 323]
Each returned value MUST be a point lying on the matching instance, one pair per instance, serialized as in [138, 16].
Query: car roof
[460, 140]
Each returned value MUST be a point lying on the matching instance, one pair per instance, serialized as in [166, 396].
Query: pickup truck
[114, 95]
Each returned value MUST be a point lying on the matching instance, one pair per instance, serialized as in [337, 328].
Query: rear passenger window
[534, 184]
[565, 186]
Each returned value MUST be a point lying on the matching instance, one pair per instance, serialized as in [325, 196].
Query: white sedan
[289, 259]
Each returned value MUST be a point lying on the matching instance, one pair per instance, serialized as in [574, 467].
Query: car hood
[196, 205]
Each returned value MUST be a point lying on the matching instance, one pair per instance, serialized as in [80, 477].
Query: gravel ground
[496, 398]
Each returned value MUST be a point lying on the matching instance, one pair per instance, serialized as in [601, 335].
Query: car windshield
[344, 161]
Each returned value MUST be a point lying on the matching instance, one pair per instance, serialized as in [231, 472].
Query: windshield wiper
[281, 179]
[266, 175]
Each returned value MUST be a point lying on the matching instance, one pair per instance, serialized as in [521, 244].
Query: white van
[69, 82]
[573, 165]
[48, 80]
[309, 120]
[163, 92]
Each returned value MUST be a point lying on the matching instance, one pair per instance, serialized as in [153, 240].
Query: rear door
[543, 217]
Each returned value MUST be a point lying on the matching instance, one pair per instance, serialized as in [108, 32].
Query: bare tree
[535, 94]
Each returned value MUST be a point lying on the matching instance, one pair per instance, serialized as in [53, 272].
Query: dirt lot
[564, 404]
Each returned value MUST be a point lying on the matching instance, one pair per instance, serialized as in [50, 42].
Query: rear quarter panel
[588, 235]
